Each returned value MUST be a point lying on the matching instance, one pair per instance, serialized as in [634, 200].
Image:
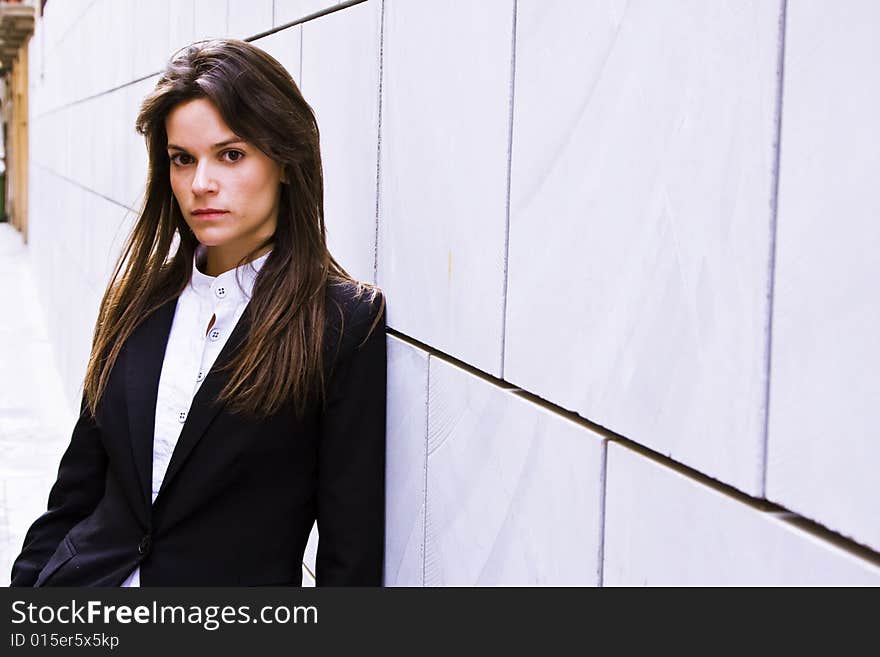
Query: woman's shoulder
[352, 294]
[354, 311]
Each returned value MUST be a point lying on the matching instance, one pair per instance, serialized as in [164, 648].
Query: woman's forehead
[198, 123]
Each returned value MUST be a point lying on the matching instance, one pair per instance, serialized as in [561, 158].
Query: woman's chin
[210, 237]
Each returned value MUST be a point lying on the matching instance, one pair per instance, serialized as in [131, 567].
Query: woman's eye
[181, 159]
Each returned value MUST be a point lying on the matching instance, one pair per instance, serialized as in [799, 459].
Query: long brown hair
[282, 358]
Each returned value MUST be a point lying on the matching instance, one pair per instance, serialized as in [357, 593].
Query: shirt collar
[236, 283]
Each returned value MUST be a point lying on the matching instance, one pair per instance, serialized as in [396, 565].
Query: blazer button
[144, 545]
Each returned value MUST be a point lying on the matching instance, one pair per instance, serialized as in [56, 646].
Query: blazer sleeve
[351, 461]
[76, 492]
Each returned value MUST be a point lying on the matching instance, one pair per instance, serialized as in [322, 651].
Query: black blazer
[239, 498]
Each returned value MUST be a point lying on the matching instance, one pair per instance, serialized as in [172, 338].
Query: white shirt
[190, 353]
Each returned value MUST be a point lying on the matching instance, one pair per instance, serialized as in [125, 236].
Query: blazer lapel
[145, 352]
[204, 406]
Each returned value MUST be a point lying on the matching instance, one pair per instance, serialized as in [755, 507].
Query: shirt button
[214, 335]
[220, 292]
[200, 376]
[182, 416]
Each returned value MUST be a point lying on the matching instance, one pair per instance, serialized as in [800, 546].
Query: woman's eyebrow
[219, 144]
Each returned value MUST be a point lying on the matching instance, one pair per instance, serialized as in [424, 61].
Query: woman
[235, 391]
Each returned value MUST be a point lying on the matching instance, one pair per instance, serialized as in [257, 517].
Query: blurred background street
[35, 417]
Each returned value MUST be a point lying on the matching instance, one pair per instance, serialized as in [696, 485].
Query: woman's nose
[203, 180]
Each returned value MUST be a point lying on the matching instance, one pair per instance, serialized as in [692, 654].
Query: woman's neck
[219, 260]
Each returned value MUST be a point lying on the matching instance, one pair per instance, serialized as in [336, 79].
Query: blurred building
[629, 250]
[16, 28]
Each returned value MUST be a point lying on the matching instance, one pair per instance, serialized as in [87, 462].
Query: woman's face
[211, 168]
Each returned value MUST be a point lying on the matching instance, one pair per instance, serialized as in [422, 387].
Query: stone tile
[665, 529]
[311, 552]
[102, 135]
[823, 448]
[307, 579]
[293, 10]
[640, 222]
[83, 39]
[112, 226]
[248, 18]
[36, 76]
[443, 180]
[150, 54]
[68, 58]
[78, 169]
[286, 47]
[514, 490]
[51, 20]
[340, 80]
[120, 130]
[406, 438]
[134, 147]
[181, 21]
[210, 19]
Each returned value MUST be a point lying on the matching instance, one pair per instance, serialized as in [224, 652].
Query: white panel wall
[134, 145]
[287, 11]
[514, 491]
[663, 528]
[249, 17]
[340, 80]
[286, 47]
[307, 579]
[120, 15]
[310, 555]
[150, 52]
[210, 19]
[824, 445]
[57, 253]
[405, 468]
[640, 217]
[445, 103]
[181, 24]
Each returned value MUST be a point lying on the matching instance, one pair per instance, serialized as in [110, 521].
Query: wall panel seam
[603, 487]
[303, 19]
[78, 184]
[379, 142]
[510, 110]
[425, 472]
[771, 265]
[758, 504]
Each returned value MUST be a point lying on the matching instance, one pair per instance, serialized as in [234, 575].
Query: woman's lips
[208, 215]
